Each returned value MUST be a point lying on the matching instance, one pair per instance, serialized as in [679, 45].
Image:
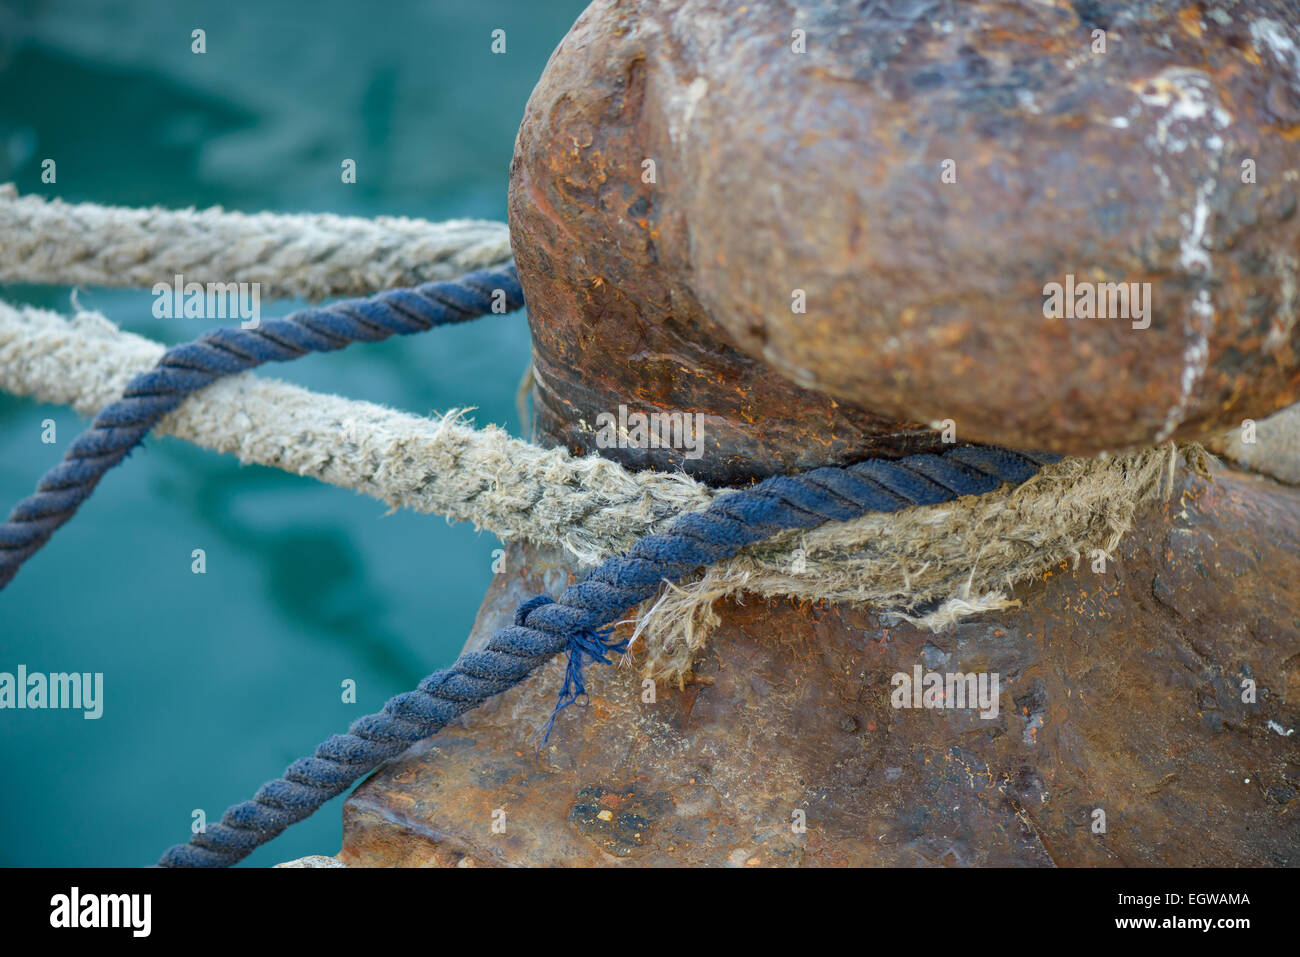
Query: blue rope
[579, 621]
[186, 368]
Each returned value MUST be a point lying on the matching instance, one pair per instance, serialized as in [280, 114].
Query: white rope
[946, 561]
[591, 506]
[312, 256]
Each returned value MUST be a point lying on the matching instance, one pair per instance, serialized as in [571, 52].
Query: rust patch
[924, 300]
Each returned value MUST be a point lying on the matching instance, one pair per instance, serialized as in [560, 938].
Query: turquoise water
[213, 683]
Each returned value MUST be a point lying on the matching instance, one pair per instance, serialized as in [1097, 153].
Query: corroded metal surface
[1120, 692]
[821, 171]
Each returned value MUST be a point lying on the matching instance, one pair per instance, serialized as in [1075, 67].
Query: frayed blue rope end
[585, 647]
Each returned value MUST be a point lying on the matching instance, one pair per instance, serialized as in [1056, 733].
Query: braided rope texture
[444, 465]
[309, 255]
[579, 621]
[186, 368]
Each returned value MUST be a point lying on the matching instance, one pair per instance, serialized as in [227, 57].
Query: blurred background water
[214, 683]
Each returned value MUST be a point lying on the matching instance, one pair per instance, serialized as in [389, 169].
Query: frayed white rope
[311, 256]
[591, 506]
[932, 565]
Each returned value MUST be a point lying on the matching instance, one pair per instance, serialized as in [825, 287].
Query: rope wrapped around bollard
[578, 622]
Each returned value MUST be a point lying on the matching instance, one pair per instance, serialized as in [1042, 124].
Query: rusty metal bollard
[919, 176]
[678, 177]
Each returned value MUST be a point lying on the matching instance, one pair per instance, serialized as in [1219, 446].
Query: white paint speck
[1272, 36]
[1192, 254]
[690, 100]
[1196, 357]
[1288, 310]
[1164, 179]
[1027, 102]
[1184, 97]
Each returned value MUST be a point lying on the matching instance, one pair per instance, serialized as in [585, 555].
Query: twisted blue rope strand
[579, 620]
[186, 368]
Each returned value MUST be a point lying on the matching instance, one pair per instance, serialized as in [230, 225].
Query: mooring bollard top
[1054, 228]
